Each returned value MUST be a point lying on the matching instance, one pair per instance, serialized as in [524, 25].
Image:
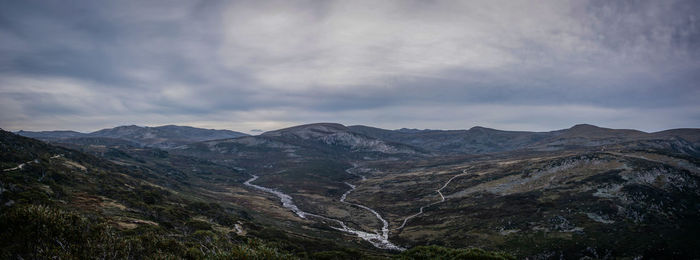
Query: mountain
[53, 135]
[168, 136]
[689, 134]
[481, 140]
[591, 131]
[321, 141]
[475, 140]
[339, 136]
[684, 141]
[358, 138]
[319, 152]
[163, 137]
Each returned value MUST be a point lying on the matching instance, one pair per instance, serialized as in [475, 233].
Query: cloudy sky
[243, 65]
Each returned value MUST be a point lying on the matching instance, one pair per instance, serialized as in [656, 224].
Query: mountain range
[477, 140]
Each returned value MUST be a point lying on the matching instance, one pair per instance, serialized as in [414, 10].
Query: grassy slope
[579, 204]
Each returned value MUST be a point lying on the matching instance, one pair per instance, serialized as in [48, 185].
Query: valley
[378, 240]
[579, 192]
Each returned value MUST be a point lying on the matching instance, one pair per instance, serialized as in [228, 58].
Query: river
[376, 239]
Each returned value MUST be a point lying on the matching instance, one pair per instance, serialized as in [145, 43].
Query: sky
[264, 65]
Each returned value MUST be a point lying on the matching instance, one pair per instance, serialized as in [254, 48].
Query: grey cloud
[260, 65]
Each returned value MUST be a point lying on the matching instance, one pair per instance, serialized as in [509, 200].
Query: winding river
[379, 240]
[385, 224]
[376, 239]
[286, 199]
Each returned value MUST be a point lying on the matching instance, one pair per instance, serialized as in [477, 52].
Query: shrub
[438, 252]
[41, 232]
[195, 225]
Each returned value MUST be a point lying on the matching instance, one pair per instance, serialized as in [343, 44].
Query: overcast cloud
[243, 65]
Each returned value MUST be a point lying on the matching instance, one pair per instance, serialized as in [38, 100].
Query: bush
[195, 225]
[331, 255]
[438, 252]
[254, 249]
[33, 232]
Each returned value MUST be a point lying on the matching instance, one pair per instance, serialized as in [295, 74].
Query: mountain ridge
[476, 140]
[166, 136]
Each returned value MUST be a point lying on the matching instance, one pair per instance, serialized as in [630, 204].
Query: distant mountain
[332, 137]
[479, 140]
[412, 130]
[684, 141]
[474, 140]
[340, 136]
[688, 134]
[168, 136]
[50, 134]
[586, 130]
[325, 141]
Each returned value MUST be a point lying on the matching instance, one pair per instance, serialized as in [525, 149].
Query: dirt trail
[442, 199]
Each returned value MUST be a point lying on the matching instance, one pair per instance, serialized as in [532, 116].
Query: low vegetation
[42, 232]
[439, 252]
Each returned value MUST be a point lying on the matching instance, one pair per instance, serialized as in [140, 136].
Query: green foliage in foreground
[40, 232]
[438, 252]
